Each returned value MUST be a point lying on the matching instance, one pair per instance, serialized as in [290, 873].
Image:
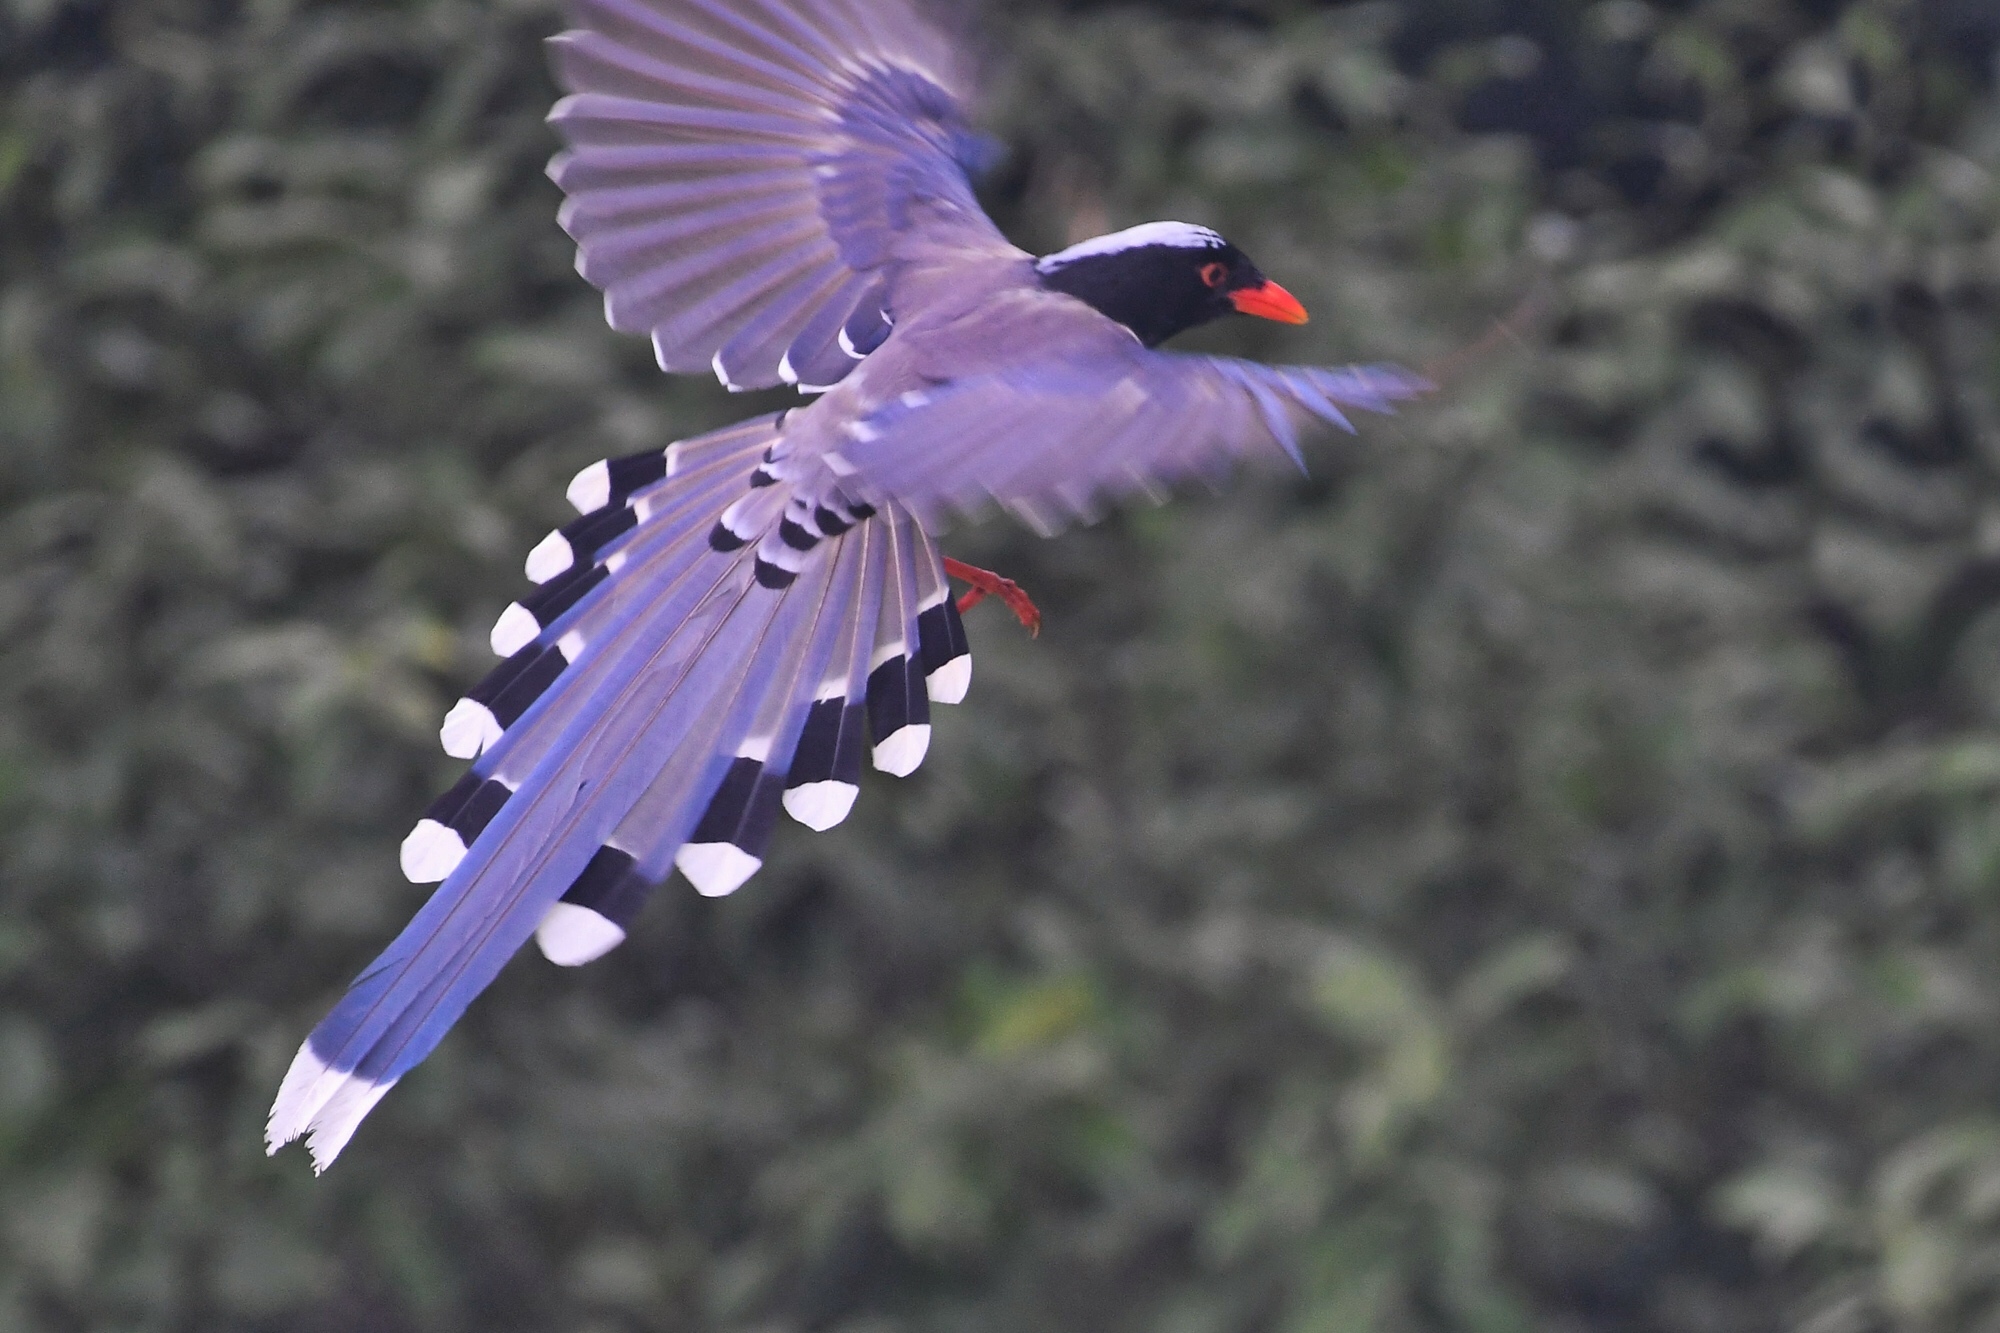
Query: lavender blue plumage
[776, 191]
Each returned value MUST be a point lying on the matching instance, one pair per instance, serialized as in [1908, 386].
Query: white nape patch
[431, 852]
[514, 630]
[847, 346]
[716, 869]
[590, 490]
[551, 556]
[948, 684]
[1178, 235]
[820, 805]
[468, 729]
[903, 750]
[322, 1101]
[896, 648]
[571, 645]
[571, 936]
[785, 371]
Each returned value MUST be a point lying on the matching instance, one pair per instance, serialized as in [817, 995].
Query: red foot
[984, 581]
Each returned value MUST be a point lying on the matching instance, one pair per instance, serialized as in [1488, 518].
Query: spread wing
[1054, 438]
[746, 178]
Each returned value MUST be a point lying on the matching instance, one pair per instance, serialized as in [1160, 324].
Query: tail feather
[659, 719]
[528, 855]
[727, 844]
[824, 776]
[899, 713]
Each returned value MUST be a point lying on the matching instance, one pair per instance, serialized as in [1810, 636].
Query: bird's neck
[1137, 288]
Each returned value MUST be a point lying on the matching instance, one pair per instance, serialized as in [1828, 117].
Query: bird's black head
[1163, 277]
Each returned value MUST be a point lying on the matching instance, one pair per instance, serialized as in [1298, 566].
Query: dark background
[1542, 872]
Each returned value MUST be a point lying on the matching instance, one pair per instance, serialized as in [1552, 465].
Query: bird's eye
[1213, 274]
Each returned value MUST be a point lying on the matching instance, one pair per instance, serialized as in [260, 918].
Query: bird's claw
[981, 582]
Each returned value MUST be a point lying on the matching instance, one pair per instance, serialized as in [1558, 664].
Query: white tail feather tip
[948, 684]
[340, 1117]
[590, 490]
[902, 750]
[571, 936]
[552, 556]
[514, 630]
[820, 805]
[716, 868]
[431, 852]
[308, 1083]
[468, 729]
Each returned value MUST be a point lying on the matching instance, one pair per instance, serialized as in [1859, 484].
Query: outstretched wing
[745, 177]
[1054, 439]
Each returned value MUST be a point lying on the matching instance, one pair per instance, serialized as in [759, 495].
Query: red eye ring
[1213, 274]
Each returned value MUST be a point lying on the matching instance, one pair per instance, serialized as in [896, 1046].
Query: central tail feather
[657, 711]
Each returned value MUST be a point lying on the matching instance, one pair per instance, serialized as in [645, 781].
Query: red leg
[984, 581]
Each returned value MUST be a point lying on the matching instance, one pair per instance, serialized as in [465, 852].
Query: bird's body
[777, 191]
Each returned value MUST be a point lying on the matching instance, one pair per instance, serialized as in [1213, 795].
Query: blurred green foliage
[1541, 872]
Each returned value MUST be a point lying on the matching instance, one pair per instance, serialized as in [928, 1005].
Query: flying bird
[778, 191]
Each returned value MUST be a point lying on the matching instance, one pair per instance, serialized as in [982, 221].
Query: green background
[1540, 872]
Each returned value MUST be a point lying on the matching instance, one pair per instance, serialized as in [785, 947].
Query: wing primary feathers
[730, 164]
